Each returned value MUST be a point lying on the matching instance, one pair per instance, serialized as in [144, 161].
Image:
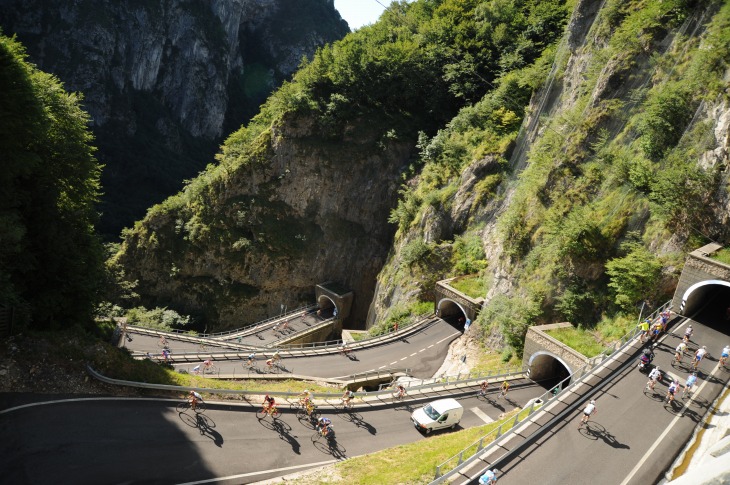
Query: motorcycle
[646, 358]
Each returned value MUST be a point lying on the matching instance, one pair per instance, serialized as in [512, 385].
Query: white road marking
[414, 353]
[381, 367]
[450, 336]
[666, 431]
[393, 363]
[429, 346]
[482, 415]
[262, 472]
[404, 358]
[421, 350]
[83, 399]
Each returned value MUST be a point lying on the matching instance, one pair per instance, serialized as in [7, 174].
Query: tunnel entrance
[327, 307]
[710, 299]
[547, 369]
[453, 313]
[708, 303]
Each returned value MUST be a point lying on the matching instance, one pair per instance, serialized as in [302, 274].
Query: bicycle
[204, 347]
[327, 432]
[250, 366]
[268, 411]
[399, 394]
[185, 405]
[211, 369]
[163, 343]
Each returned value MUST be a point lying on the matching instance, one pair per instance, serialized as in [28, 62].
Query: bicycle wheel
[275, 413]
[211, 370]
[182, 407]
[261, 414]
[200, 407]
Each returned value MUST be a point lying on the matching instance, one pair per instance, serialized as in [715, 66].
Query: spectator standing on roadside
[644, 327]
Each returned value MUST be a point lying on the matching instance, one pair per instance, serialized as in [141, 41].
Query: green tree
[633, 276]
[50, 256]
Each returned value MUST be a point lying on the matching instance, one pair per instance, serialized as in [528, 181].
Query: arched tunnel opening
[547, 370]
[452, 312]
[708, 303]
[326, 306]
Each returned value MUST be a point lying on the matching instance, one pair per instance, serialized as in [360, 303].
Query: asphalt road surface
[635, 435]
[423, 352]
[113, 440]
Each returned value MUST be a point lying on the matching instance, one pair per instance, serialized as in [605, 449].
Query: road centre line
[262, 472]
[666, 431]
[446, 338]
[421, 350]
[430, 346]
[393, 363]
[404, 358]
[381, 367]
[482, 415]
[414, 353]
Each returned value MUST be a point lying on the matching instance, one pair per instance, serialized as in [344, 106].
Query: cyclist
[270, 364]
[655, 330]
[196, 369]
[679, 351]
[194, 398]
[664, 319]
[654, 376]
[644, 327]
[691, 380]
[285, 325]
[489, 478]
[483, 388]
[347, 397]
[276, 357]
[588, 411]
[400, 391]
[699, 355]
[275, 328]
[672, 389]
[304, 396]
[251, 359]
[269, 404]
[166, 355]
[504, 388]
[344, 348]
[163, 342]
[324, 425]
[688, 333]
[724, 354]
[207, 364]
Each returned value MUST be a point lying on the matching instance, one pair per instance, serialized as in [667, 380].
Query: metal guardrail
[217, 335]
[316, 395]
[579, 376]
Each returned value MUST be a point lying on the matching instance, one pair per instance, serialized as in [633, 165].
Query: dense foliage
[50, 258]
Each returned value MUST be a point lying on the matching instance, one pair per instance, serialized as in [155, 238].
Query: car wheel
[427, 431]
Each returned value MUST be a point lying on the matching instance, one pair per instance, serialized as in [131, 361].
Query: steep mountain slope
[620, 167]
[302, 194]
[164, 81]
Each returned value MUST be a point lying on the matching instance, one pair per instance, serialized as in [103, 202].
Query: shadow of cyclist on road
[206, 425]
[284, 431]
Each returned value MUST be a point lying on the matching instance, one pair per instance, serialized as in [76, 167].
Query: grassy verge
[578, 339]
[722, 255]
[472, 286]
[416, 462]
[489, 362]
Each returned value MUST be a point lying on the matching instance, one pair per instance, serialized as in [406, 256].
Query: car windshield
[431, 412]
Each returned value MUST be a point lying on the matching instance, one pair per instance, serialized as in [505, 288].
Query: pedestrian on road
[588, 411]
[699, 355]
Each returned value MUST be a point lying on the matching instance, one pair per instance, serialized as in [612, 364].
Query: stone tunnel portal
[710, 297]
[452, 312]
[708, 302]
[547, 369]
[327, 306]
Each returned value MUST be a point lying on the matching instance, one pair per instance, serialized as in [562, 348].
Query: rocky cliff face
[589, 113]
[163, 81]
[263, 234]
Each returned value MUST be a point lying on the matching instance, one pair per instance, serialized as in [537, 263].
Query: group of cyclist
[503, 389]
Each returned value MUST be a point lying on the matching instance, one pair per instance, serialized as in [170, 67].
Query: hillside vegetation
[567, 155]
[51, 263]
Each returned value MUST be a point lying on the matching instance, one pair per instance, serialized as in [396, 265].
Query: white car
[444, 413]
